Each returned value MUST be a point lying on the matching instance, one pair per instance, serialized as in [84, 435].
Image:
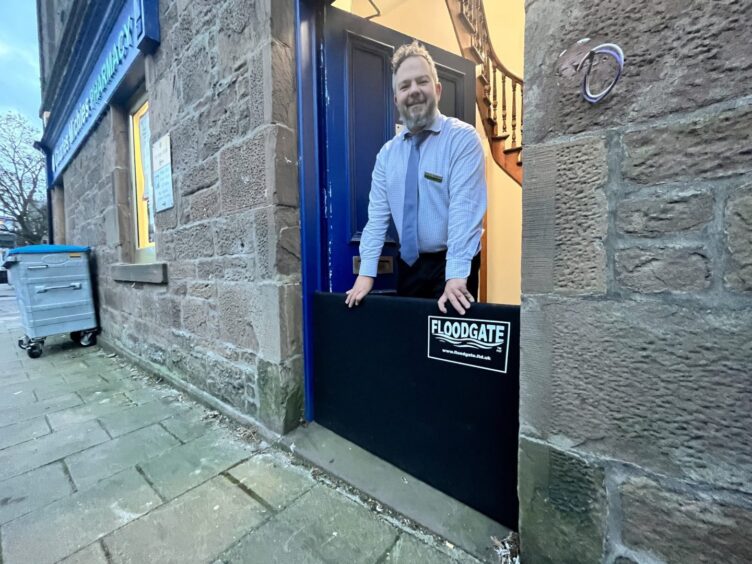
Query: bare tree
[22, 180]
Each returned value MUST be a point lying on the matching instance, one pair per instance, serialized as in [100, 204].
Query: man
[431, 179]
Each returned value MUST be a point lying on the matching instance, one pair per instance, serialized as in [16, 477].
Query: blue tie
[409, 243]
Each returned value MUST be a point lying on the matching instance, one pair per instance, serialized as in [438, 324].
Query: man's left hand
[458, 295]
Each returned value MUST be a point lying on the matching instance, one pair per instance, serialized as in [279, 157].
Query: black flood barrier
[436, 395]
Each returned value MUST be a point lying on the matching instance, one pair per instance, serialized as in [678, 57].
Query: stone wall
[53, 16]
[636, 386]
[228, 321]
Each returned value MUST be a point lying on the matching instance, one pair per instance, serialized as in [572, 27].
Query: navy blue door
[360, 117]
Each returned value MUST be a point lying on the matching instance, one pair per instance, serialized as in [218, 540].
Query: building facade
[207, 289]
[182, 141]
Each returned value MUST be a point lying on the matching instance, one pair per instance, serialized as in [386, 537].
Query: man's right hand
[363, 285]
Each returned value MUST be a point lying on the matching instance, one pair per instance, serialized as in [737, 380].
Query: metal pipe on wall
[50, 225]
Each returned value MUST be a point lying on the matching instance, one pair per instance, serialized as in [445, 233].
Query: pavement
[102, 463]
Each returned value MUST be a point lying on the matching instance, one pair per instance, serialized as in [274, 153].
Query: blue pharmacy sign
[136, 30]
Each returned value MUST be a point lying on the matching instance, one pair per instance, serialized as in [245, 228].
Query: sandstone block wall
[229, 318]
[636, 377]
[53, 17]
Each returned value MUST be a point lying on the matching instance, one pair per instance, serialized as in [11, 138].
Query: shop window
[142, 193]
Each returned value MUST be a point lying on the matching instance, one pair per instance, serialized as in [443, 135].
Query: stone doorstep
[461, 525]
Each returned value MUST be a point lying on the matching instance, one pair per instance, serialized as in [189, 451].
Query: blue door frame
[310, 135]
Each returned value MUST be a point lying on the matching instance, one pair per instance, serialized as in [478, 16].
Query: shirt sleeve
[372, 238]
[467, 203]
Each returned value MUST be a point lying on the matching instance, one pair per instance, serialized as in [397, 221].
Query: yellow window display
[142, 182]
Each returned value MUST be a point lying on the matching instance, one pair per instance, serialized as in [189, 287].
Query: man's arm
[467, 206]
[372, 238]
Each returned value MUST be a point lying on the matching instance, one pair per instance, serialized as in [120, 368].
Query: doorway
[377, 375]
[360, 117]
[430, 22]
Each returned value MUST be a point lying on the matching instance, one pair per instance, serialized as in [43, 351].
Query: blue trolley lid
[47, 249]
[10, 259]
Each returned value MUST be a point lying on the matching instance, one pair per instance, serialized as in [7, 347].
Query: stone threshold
[461, 525]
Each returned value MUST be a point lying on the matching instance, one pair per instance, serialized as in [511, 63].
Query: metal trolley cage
[54, 294]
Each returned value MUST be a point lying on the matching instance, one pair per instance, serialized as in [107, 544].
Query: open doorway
[432, 22]
[393, 375]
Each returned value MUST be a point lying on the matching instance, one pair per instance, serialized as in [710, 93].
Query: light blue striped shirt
[451, 195]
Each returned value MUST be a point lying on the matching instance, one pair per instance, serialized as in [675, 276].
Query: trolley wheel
[34, 351]
[75, 336]
[88, 339]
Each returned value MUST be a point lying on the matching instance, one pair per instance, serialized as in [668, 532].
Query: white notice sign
[162, 167]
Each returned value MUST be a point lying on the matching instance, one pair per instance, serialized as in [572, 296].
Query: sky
[19, 60]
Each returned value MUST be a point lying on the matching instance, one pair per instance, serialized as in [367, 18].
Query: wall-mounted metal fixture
[587, 58]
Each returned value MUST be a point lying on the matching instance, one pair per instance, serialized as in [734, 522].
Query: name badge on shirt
[432, 176]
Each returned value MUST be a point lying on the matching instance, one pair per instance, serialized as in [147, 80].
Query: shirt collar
[435, 126]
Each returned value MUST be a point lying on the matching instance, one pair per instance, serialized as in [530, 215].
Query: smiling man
[430, 179]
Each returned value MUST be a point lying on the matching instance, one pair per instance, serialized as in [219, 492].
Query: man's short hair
[413, 49]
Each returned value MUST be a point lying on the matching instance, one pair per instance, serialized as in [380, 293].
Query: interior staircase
[498, 90]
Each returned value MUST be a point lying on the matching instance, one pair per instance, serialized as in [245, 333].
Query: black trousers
[426, 277]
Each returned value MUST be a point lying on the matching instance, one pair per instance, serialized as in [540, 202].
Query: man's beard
[417, 122]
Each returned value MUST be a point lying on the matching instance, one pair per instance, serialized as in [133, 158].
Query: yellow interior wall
[507, 27]
[429, 21]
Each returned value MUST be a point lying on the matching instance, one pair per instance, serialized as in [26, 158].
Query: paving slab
[409, 550]
[30, 491]
[66, 526]
[10, 397]
[24, 431]
[98, 462]
[8, 365]
[36, 376]
[12, 415]
[106, 373]
[95, 392]
[113, 373]
[194, 527]
[100, 359]
[83, 384]
[10, 368]
[140, 416]
[11, 378]
[92, 554]
[61, 370]
[88, 411]
[21, 458]
[274, 478]
[184, 467]
[146, 395]
[24, 384]
[13, 383]
[322, 526]
[64, 365]
[98, 363]
[189, 425]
